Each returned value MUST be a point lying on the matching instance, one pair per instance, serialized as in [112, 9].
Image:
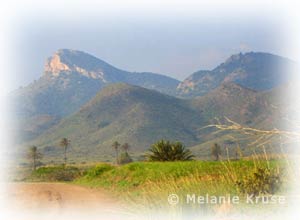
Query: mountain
[264, 110]
[67, 61]
[125, 113]
[254, 70]
[79, 97]
[139, 116]
[233, 101]
[70, 79]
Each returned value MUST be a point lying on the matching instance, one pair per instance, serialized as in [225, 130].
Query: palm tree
[34, 155]
[116, 146]
[125, 157]
[168, 151]
[238, 152]
[126, 147]
[216, 151]
[65, 144]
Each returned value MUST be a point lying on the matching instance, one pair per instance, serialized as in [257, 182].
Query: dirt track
[62, 198]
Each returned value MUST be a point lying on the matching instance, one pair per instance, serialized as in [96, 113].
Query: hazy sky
[168, 43]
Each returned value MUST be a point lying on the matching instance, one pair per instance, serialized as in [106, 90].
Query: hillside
[78, 96]
[126, 113]
[233, 101]
[262, 110]
[70, 79]
[254, 70]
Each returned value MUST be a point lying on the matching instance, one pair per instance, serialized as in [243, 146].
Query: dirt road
[59, 198]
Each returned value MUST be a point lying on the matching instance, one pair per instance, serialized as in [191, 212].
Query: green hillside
[127, 114]
[69, 80]
[262, 110]
[140, 117]
[72, 78]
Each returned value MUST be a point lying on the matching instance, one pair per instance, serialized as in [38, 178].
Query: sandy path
[62, 198]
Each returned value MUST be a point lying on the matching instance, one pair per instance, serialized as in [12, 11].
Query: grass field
[147, 185]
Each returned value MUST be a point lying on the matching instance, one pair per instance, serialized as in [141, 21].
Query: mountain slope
[71, 78]
[69, 61]
[262, 110]
[255, 70]
[233, 101]
[126, 113]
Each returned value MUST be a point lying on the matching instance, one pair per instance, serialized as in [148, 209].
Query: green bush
[55, 173]
[169, 151]
[98, 170]
[259, 181]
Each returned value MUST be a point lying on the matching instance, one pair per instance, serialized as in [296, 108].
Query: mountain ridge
[140, 117]
[125, 113]
[256, 70]
[70, 79]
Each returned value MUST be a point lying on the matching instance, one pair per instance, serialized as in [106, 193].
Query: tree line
[162, 150]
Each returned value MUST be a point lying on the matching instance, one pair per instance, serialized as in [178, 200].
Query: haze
[167, 44]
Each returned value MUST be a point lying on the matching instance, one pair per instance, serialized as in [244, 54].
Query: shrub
[64, 175]
[168, 151]
[260, 181]
[98, 170]
[55, 173]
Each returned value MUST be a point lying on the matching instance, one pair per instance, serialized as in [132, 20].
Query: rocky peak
[68, 61]
[55, 65]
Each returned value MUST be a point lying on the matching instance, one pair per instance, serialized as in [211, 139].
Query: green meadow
[148, 184]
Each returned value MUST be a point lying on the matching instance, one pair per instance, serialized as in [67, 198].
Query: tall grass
[147, 185]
